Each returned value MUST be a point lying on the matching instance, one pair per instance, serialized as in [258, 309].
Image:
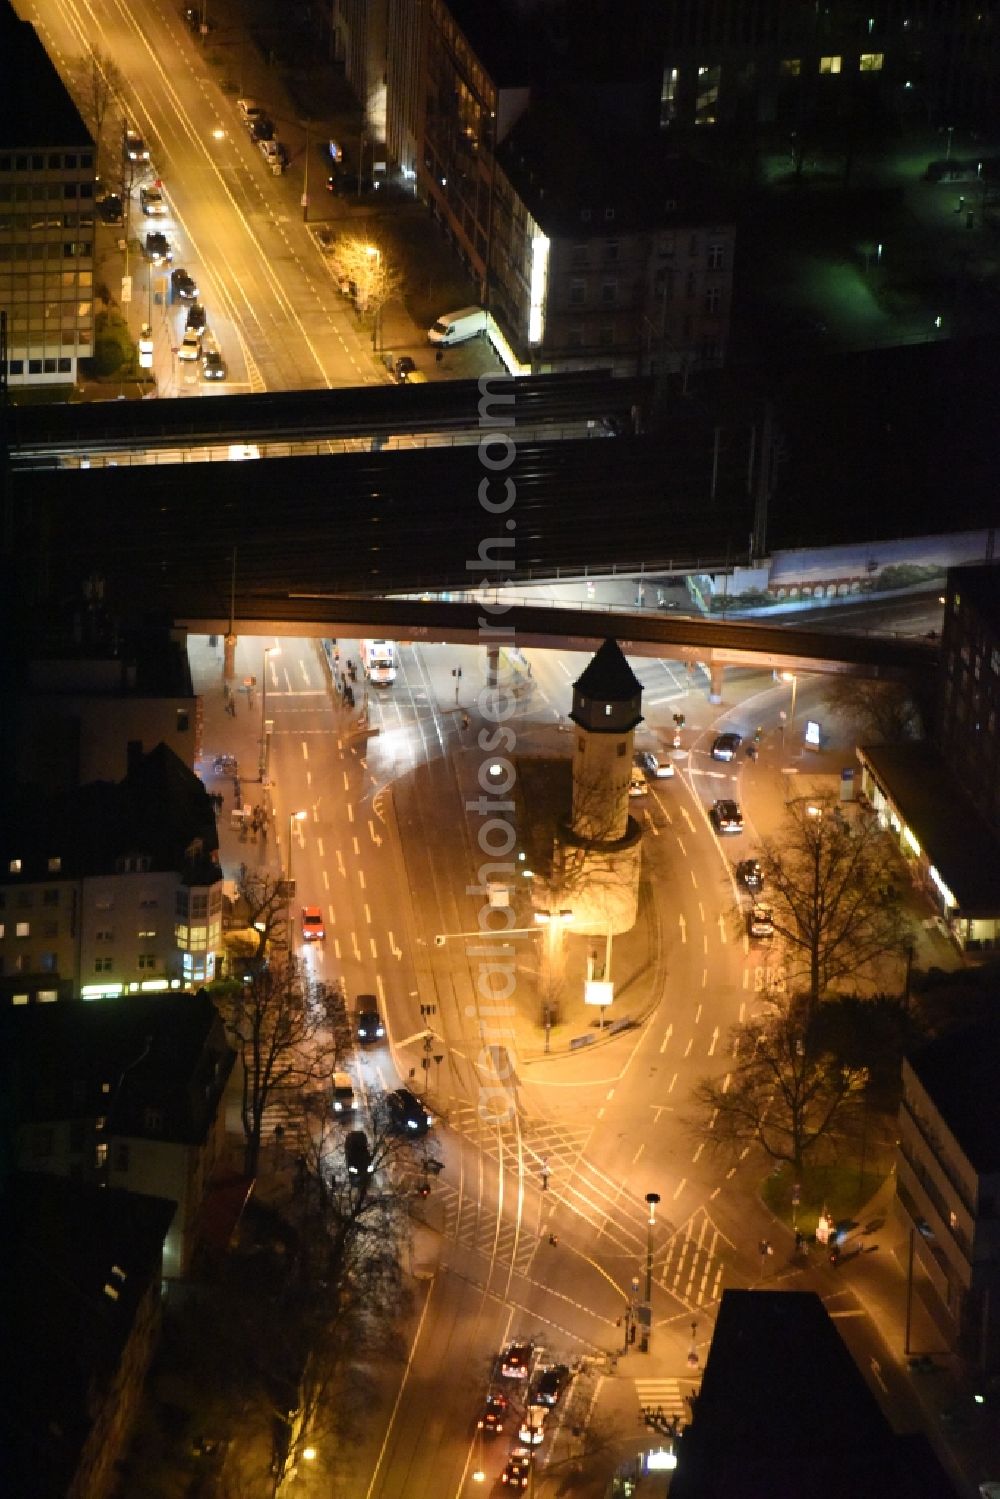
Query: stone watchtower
[607, 699]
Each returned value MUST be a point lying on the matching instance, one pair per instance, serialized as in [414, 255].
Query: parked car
[183, 286]
[657, 770]
[158, 248]
[111, 209]
[357, 1155]
[727, 817]
[724, 746]
[190, 348]
[515, 1360]
[213, 366]
[760, 923]
[637, 785]
[250, 111]
[550, 1384]
[368, 1024]
[152, 202]
[197, 318]
[407, 1115]
[343, 1093]
[750, 874]
[312, 924]
[273, 153]
[262, 129]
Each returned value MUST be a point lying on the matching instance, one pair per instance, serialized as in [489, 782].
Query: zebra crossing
[284, 1124]
[693, 1265]
[662, 1395]
[466, 1224]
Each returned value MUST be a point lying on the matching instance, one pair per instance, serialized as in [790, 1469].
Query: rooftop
[784, 1410]
[943, 820]
[959, 1072]
[164, 1058]
[607, 677]
[35, 108]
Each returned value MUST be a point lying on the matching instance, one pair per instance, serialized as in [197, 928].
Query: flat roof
[959, 1072]
[35, 107]
[943, 820]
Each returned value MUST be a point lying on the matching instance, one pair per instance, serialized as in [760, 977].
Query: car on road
[517, 1472]
[404, 367]
[183, 286]
[158, 249]
[407, 1115]
[357, 1155]
[750, 874]
[368, 1022]
[195, 18]
[190, 348]
[727, 817]
[549, 1385]
[312, 924]
[724, 746]
[657, 770]
[273, 153]
[343, 1100]
[515, 1360]
[152, 202]
[760, 922]
[491, 1417]
[213, 366]
[197, 318]
[135, 147]
[637, 784]
[532, 1428]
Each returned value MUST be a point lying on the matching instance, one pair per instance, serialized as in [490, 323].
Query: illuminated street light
[789, 676]
[309, 1454]
[652, 1198]
[218, 133]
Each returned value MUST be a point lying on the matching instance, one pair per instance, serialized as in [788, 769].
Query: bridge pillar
[229, 658]
[492, 665]
[715, 675]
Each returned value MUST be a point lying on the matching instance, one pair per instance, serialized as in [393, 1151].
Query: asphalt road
[271, 301]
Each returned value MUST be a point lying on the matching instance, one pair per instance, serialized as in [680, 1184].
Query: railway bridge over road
[715, 644]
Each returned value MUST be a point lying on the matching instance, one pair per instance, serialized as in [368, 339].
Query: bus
[378, 660]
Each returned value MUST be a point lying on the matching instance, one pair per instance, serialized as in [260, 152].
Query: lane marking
[305, 750]
[666, 1039]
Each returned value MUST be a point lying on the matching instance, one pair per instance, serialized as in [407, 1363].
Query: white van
[456, 327]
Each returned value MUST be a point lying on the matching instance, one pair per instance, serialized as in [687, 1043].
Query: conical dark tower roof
[607, 681]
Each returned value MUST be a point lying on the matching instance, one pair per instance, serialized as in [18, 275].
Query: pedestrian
[350, 696]
[466, 720]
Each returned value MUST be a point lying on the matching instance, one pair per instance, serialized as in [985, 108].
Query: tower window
[607, 710]
[620, 750]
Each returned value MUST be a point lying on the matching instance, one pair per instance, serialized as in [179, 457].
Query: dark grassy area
[543, 795]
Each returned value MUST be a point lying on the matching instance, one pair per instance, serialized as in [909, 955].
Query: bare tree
[882, 712]
[786, 1093]
[104, 86]
[832, 892]
[262, 905]
[367, 268]
[289, 1033]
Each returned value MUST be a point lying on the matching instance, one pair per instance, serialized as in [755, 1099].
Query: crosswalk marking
[661, 1394]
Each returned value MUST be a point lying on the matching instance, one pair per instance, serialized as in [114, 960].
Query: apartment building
[124, 1094]
[46, 216]
[948, 1187]
[967, 727]
[606, 253]
[85, 707]
[111, 889]
[81, 1312]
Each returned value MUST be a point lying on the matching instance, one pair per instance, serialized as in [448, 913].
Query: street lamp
[269, 650]
[652, 1198]
[554, 921]
[789, 676]
[293, 817]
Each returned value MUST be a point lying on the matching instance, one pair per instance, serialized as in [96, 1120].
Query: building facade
[948, 1187]
[967, 728]
[125, 1094]
[111, 889]
[47, 176]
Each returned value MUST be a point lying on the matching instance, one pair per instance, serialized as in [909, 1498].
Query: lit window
[829, 64]
[668, 95]
[791, 67]
[952, 1220]
[101, 1153]
[607, 710]
[24, 928]
[15, 866]
[55, 865]
[871, 62]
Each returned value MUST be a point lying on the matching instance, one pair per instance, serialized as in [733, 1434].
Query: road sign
[126, 289]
